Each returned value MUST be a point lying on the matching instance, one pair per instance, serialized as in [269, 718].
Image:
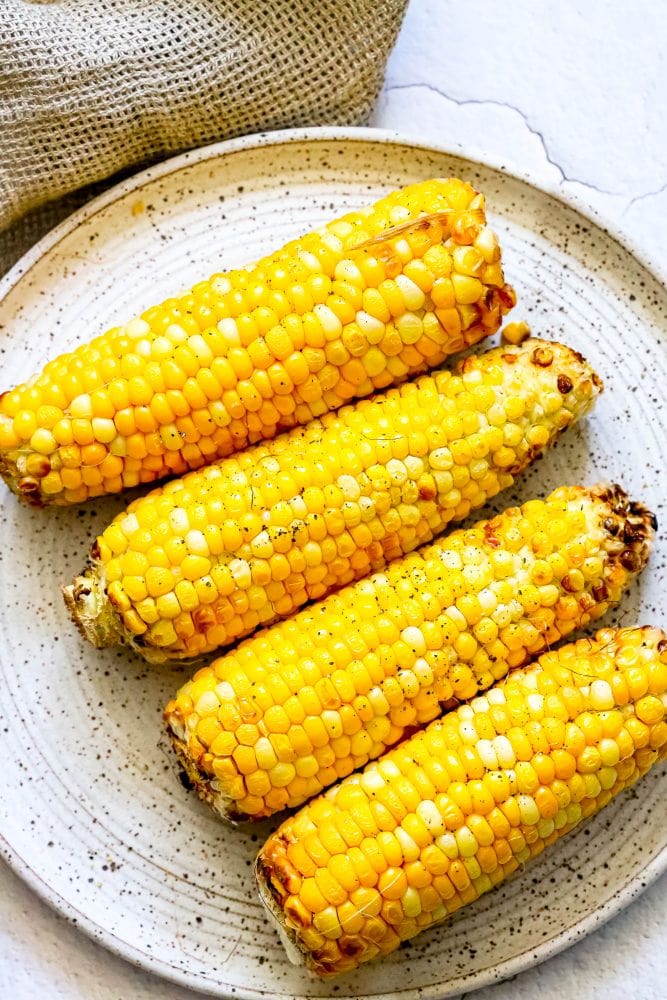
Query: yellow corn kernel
[310, 532]
[175, 364]
[408, 891]
[352, 709]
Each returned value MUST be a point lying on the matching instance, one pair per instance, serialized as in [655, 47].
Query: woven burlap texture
[89, 88]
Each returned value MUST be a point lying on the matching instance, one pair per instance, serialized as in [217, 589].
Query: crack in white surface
[646, 194]
[524, 117]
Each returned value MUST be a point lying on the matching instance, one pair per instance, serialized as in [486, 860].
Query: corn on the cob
[206, 559]
[304, 703]
[453, 811]
[362, 303]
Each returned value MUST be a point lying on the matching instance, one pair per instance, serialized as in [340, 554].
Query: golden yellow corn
[456, 809]
[360, 304]
[204, 560]
[307, 701]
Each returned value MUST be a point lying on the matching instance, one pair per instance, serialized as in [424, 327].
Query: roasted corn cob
[453, 811]
[302, 704]
[206, 559]
[361, 303]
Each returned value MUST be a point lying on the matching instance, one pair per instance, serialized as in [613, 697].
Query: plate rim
[472, 153]
[632, 888]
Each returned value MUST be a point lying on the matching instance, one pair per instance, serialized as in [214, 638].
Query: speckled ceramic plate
[92, 813]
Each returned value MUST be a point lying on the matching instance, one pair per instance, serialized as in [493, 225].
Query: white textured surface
[573, 91]
[145, 868]
[565, 94]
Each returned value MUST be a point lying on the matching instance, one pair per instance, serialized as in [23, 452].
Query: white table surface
[575, 93]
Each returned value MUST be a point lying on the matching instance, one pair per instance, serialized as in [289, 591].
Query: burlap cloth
[92, 89]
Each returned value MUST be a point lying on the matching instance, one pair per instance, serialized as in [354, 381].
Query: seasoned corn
[358, 305]
[206, 559]
[456, 809]
[307, 701]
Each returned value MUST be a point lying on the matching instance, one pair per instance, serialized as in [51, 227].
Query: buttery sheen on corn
[304, 703]
[208, 558]
[456, 809]
[360, 304]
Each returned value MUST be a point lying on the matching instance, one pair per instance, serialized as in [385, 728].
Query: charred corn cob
[453, 811]
[304, 703]
[206, 559]
[361, 303]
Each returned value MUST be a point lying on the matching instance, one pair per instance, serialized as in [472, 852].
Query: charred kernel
[630, 560]
[543, 356]
[633, 532]
[28, 485]
[612, 525]
[565, 384]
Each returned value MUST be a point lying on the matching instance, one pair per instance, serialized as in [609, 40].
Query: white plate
[92, 814]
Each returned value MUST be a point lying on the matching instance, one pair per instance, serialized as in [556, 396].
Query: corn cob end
[631, 525]
[26, 487]
[215, 798]
[270, 896]
[99, 611]
[91, 610]
[96, 607]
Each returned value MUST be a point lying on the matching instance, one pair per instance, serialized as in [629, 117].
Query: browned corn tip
[72, 594]
[188, 769]
[26, 487]
[632, 526]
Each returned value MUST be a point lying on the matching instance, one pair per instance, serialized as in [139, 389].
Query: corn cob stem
[304, 703]
[351, 308]
[204, 560]
[453, 811]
